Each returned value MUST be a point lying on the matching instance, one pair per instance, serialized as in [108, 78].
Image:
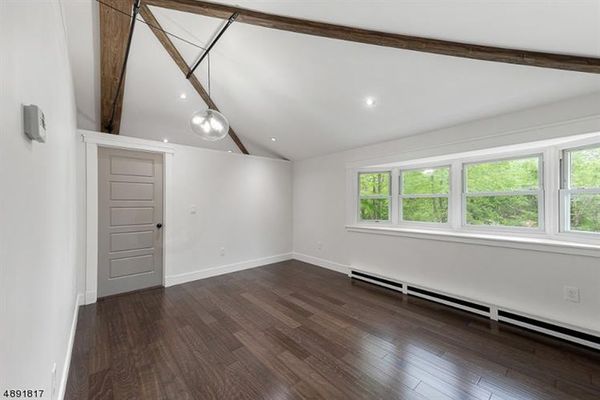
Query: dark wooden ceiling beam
[114, 31]
[180, 61]
[405, 42]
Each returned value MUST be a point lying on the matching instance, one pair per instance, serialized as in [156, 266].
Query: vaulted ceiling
[309, 92]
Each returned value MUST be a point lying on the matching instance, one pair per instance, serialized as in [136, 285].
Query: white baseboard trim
[91, 297]
[224, 269]
[321, 262]
[62, 388]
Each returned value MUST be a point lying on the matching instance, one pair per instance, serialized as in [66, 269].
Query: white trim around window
[539, 192]
[551, 230]
[567, 191]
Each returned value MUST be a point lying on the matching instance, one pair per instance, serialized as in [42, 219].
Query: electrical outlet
[193, 210]
[53, 381]
[320, 245]
[222, 251]
[572, 294]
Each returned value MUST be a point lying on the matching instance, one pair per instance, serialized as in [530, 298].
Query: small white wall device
[34, 123]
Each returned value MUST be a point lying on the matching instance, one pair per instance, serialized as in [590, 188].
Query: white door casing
[94, 140]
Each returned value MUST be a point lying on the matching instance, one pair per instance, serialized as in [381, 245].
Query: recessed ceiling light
[273, 139]
[370, 101]
[165, 140]
[230, 151]
[182, 96]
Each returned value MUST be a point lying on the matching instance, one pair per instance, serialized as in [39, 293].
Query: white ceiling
[309, 92]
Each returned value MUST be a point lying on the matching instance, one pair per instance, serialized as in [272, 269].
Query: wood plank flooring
[295, 331]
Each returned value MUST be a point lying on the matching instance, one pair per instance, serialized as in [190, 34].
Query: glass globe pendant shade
[210, 125]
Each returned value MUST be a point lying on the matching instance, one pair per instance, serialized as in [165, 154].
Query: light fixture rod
[136, 10]
[216, 39]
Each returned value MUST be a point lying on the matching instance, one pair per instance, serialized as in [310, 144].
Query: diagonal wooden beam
[179, 60]
[405, 42]
[114, 31]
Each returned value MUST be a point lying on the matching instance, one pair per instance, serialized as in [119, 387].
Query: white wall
[243, 204]
[223, 211]
[40, 201]
[83, 43]
[524, 280]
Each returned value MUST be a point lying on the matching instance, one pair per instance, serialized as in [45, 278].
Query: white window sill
[515, 242]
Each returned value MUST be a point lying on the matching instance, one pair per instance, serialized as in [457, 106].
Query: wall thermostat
[34, 123]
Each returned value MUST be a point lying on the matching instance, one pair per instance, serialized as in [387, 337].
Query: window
[530, 192]
[375, 196]
[503, 193]
[581, 189]
[424, 195]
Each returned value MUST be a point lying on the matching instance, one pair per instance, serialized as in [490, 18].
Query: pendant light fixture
[209, 124]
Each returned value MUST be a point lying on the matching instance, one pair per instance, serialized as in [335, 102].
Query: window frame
[550, 232]
[540, 192]
[565, 191]
[400, 196]
[361, 197]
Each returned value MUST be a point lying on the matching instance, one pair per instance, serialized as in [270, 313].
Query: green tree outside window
[374, 191]
[503, 193]
[424, 194]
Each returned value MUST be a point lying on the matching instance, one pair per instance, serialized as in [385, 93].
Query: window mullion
[551, 189]
[374, 196]
[424, 196]
[395, 202]
[500, 194]
[564, 195]
[584, 191]
[455, 213]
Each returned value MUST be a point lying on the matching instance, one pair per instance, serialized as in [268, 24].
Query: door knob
[159, 225]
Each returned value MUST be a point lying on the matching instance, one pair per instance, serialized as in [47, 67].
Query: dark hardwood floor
[294, 331]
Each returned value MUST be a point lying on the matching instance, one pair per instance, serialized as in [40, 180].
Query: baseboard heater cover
[512, 318]
[450, 300]
[376, 280]
[547, 328]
